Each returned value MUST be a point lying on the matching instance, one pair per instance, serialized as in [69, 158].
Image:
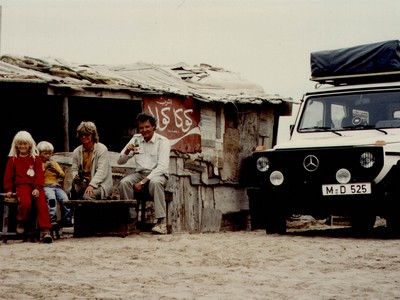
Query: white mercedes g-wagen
[343, 155]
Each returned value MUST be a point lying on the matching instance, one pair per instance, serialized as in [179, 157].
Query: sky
[267, 42]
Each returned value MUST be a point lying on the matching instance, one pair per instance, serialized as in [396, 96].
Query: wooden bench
[9, 206]
[102, 217]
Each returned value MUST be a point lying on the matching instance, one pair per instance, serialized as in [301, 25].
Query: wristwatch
[142, 183]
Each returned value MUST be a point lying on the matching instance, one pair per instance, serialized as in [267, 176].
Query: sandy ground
[322, 262]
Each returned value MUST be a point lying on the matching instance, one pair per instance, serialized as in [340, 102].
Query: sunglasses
[84, 134]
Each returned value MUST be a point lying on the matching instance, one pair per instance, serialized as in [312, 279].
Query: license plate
[346, 189]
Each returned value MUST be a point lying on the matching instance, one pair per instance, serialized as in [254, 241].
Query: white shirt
[153, 156]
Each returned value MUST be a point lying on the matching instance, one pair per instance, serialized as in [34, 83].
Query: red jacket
[17, 173]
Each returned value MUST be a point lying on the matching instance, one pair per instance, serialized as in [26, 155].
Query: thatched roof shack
[212, 117]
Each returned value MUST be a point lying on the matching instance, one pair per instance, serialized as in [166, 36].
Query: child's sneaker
[20, 228]
[47, 238]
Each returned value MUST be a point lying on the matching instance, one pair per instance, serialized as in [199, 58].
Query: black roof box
[378, 62]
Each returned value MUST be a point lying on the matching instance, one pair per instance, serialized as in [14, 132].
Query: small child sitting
[24, 176]
[54, 192]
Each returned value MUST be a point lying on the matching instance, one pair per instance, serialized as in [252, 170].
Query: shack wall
[205, 186]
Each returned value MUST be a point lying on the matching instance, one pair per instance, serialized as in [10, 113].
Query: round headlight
[343, 176]
[367, 160]
[262, 164]
[276, 178]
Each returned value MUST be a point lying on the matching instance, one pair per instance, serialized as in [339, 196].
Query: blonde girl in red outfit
[24, 176]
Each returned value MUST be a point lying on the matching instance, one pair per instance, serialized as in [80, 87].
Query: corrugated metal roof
[202, 82]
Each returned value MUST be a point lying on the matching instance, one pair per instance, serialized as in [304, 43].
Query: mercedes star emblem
[311, 163]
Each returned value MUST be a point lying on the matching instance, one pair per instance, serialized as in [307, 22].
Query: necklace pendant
[31, 172]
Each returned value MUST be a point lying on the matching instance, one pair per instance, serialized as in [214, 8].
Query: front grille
[318, 165]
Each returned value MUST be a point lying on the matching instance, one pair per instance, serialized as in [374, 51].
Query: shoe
[20, 228]
[47, 238]
[160, 227]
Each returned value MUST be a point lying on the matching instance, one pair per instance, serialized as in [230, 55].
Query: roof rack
[358, 78]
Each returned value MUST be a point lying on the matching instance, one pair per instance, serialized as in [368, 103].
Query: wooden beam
[65, 114]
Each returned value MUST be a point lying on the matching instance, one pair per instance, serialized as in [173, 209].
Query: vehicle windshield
[351, 111]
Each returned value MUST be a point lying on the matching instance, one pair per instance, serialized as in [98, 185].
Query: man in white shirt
[151, 154]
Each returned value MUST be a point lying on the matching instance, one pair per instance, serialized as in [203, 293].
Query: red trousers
[25, 198]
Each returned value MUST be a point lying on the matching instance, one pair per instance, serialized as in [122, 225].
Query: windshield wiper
[321, 128]
[365, 126]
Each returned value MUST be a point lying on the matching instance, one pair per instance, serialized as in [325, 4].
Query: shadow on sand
[346, 232]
